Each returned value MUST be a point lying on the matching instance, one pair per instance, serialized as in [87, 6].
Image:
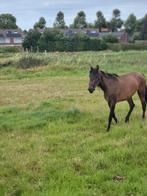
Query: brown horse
[119, 88]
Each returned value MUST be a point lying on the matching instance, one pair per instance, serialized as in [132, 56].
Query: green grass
[53, 138]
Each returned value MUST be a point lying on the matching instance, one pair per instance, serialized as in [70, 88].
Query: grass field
[53, 138]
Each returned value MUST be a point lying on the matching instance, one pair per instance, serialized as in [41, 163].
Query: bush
[137, 36]
[110, 38]
[10, 49]
[96, 44]
[74, 45]
[5, 64]
[127, 46]
[29, 61]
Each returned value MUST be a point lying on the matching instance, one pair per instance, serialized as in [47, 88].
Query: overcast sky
[28, 12]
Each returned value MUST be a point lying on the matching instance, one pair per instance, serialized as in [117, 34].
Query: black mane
[109, 75]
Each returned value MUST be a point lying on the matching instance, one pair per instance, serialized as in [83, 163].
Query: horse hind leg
[131, 105]
[115, 118]
[141, 94]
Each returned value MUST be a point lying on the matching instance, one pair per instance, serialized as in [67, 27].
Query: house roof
[11, 33]
[117, 34]
[88, 31]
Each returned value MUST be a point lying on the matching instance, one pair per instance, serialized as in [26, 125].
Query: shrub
[10, 49]
[110, 38]
[5, 64]
[127, 46]
[96, 44]
[74, 45]
[29, 60]
[114, 47]
[137, 36]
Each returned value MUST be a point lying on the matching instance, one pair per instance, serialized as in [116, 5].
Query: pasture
[53, 138]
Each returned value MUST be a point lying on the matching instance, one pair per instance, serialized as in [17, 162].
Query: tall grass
[30, 61]
[59, 64]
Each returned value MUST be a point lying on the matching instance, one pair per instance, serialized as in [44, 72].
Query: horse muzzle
[91, 90]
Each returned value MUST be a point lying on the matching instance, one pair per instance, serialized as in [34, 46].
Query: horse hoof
[126, 120]
[117, 121]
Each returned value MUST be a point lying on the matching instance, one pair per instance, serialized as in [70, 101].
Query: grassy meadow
[53, 138]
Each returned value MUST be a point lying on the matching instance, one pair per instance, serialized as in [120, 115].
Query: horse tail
[146, 93]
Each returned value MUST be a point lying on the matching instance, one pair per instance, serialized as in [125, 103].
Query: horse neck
[103, 83]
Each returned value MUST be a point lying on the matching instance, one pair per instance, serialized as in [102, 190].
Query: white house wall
[17, 40]
[2, 40]
[7, 41]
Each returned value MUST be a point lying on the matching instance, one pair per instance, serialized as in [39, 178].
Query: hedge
[127, 46]
[73, 46]
[13, 49]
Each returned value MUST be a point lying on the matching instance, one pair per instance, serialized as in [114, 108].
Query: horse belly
[126, 93]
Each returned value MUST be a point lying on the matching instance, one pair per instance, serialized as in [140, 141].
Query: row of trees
[54, 40]
[131, 25]
[80, 21]
[137, 28]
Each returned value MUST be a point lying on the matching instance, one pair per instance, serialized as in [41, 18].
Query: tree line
[137, 28]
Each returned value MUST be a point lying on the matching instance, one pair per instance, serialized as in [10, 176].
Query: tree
[59, 21]
[100, 22]
[8, 21]
[141, 28]
[116, 22]
[50, 39]
[116, 13]
[40, 24]
[31, 40]
[139, 24]
[130, 24]
[144, 28]
[80, 20]
[90, 25]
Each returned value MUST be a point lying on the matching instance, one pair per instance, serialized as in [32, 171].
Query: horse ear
[97, 67]
[91, 68]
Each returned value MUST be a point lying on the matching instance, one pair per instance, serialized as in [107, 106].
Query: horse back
[133, 78]
[128, 84]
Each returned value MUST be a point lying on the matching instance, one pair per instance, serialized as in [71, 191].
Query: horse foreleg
[132, 105]
[114, 117]
[111, 115]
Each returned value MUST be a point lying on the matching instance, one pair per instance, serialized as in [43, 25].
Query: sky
[28, 12]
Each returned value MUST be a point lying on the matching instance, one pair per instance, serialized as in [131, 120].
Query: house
[93, 33]
[11, 36]
[89, 32]
[122, 36]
